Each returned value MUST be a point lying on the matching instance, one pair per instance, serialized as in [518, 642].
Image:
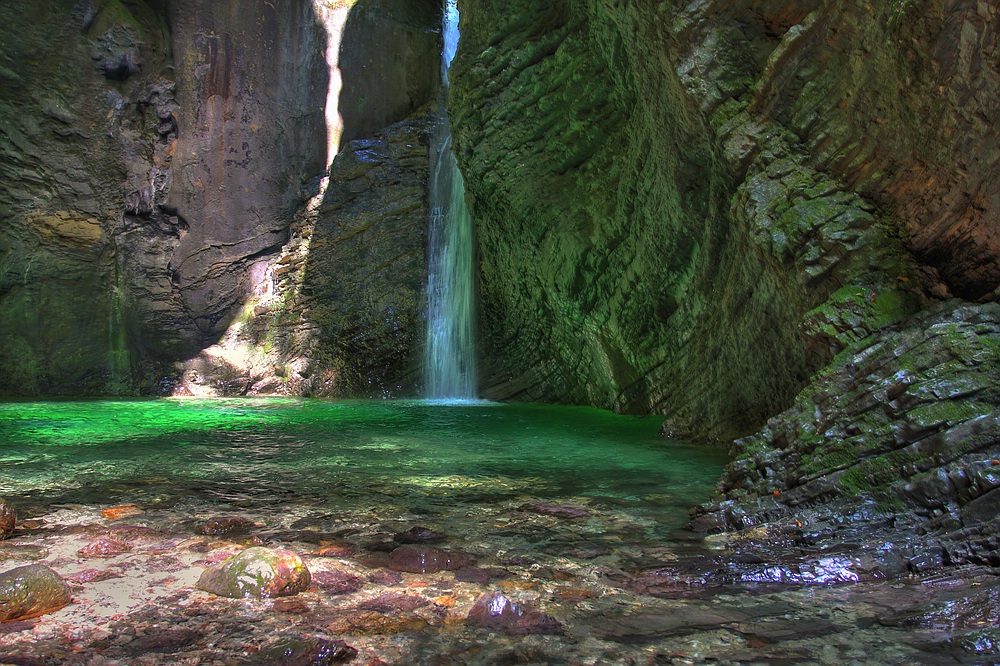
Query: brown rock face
[65, 131]
[141, 177]
[149, 182]
[366, 272]
[252, 86]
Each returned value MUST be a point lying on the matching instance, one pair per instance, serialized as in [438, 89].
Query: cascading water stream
[450, 365]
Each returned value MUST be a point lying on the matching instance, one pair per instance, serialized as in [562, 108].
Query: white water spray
[450, 364]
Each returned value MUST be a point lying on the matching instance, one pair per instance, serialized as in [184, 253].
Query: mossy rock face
[30, 591]
[257, 572]
[7, 519]
[898, 437]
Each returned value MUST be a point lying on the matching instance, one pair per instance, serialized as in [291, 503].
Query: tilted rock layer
[672, 200]
[705, 209]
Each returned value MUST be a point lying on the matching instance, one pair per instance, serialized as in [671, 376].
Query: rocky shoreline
[376, 593]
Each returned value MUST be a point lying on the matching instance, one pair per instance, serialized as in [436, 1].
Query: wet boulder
[257, 572]
[30, 591]
[305, 651]
[7, 518]
[495, 611]
[427, 559]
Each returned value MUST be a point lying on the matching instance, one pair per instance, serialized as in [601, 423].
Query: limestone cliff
[154, 156]
[707, 201]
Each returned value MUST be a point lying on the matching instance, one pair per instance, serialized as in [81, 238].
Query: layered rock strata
[894, 447]
[718, 206]
[693, 196]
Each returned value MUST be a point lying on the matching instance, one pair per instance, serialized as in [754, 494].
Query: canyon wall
[154, 150]
[157, 157]
[707, 201]
[725, 210]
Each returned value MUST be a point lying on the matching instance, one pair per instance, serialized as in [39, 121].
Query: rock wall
[728, 210]
[339, 310]
[155, 155]
[252, 87]
[83, 108]
[708, 201]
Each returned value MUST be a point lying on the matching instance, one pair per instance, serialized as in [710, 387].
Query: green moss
[947, 412]
[114, 13]
[20, 366]
[836, 456]
[874, 476]
[892, 306]
[138, 15]
[753, 449]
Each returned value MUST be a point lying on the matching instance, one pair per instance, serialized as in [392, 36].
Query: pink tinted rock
[495, 611]
[93, 576]
[104, 547]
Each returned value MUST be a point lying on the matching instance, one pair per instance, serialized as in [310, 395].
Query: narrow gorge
[769, 231]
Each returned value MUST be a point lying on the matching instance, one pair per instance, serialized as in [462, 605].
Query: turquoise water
[394, 458]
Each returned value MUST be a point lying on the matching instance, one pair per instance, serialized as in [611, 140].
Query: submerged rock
[337, 582]
[226, 525]
[7, 519]
[104, 547]
[418, 535]
[495, 611]
[17, 551]
[257, 572]
[478, 575]
[305, 651]
[426, 559]
[393, 602]
[556, 510]
[30, 591]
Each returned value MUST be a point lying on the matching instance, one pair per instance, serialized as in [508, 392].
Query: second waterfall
[450, 364]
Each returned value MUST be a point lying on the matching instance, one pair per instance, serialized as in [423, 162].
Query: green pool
[391, 458]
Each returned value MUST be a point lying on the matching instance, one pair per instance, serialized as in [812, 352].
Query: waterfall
[450, 364]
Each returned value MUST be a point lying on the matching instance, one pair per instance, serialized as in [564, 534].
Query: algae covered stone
[7, 518]
[257, 572]
[30, 591]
